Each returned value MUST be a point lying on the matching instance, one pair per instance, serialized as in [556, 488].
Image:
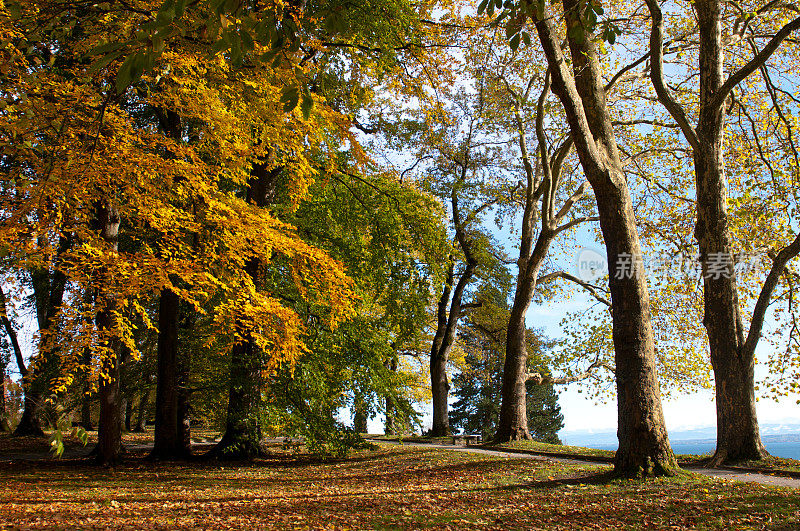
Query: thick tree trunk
[738, 435]
[184, 403]
[443, 344]
[5, 425]
[86, 359]
[513, 422]
[438, 366]
[109, 435]
[242, 439]
[440, 388]
[29, 422]
[643, 442]
[86, 411]
[128, 424]
[390, 423]
[167, 443]
[109, 432]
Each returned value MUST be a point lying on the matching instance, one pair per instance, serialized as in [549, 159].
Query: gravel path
[747, 477]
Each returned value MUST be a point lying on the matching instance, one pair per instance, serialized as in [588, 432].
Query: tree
[643, 442]
[478, 383]
[732, 352]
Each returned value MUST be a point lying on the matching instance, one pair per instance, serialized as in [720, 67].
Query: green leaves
[132, 69]
[291, 96]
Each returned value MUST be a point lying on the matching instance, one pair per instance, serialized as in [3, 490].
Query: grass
[577, 451]
[770, 464]
[392, 487]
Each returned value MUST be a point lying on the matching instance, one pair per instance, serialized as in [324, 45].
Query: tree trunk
[390, 424]
[141, 416]
[242, 439]
[167, 442]
[184, 402]
[738, 435]
[443, 344]
[359, 414]
[440, 388]
[513, 422]
[439, 383]
[5, 425]
[109, 435]
[29, 422]
[643, 442]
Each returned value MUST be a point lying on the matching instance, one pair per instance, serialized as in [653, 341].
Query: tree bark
[5, 425]
[439, 383]
[359, 413]
[184, 401]
[167, 443]
[48, 288]
[390, 426]
[141, 415]
[513, 422]
[732, 358]
[440, 350]
[242, 438]
[643, 442]
[738, 435]
[109, 435]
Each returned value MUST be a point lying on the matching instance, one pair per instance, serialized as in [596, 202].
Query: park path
[747, 477]
[205, 444]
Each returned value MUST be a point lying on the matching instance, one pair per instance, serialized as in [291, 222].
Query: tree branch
[751, 66]
[657, 74]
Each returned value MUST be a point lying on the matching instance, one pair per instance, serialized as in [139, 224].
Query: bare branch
[593, 290]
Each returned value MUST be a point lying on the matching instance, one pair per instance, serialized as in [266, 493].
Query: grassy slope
[775, 464]
[393, 487]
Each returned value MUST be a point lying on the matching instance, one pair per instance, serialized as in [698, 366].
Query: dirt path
[747, 477]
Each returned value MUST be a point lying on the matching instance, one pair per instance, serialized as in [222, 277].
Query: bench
[466, 439]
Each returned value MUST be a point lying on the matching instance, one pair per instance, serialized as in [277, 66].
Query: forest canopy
[266, 216]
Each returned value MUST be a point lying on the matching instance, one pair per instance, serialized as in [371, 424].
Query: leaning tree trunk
[643, 442]
[109, 435]
[167, 444]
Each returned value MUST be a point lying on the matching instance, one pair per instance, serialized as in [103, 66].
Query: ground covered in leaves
[386, 488]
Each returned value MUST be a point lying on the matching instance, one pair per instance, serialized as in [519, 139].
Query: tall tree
[643, 442]
[732, 351]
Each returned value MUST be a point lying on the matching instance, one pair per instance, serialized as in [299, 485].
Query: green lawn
[389, 488]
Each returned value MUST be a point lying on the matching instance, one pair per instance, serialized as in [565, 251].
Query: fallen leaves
[390, 488]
